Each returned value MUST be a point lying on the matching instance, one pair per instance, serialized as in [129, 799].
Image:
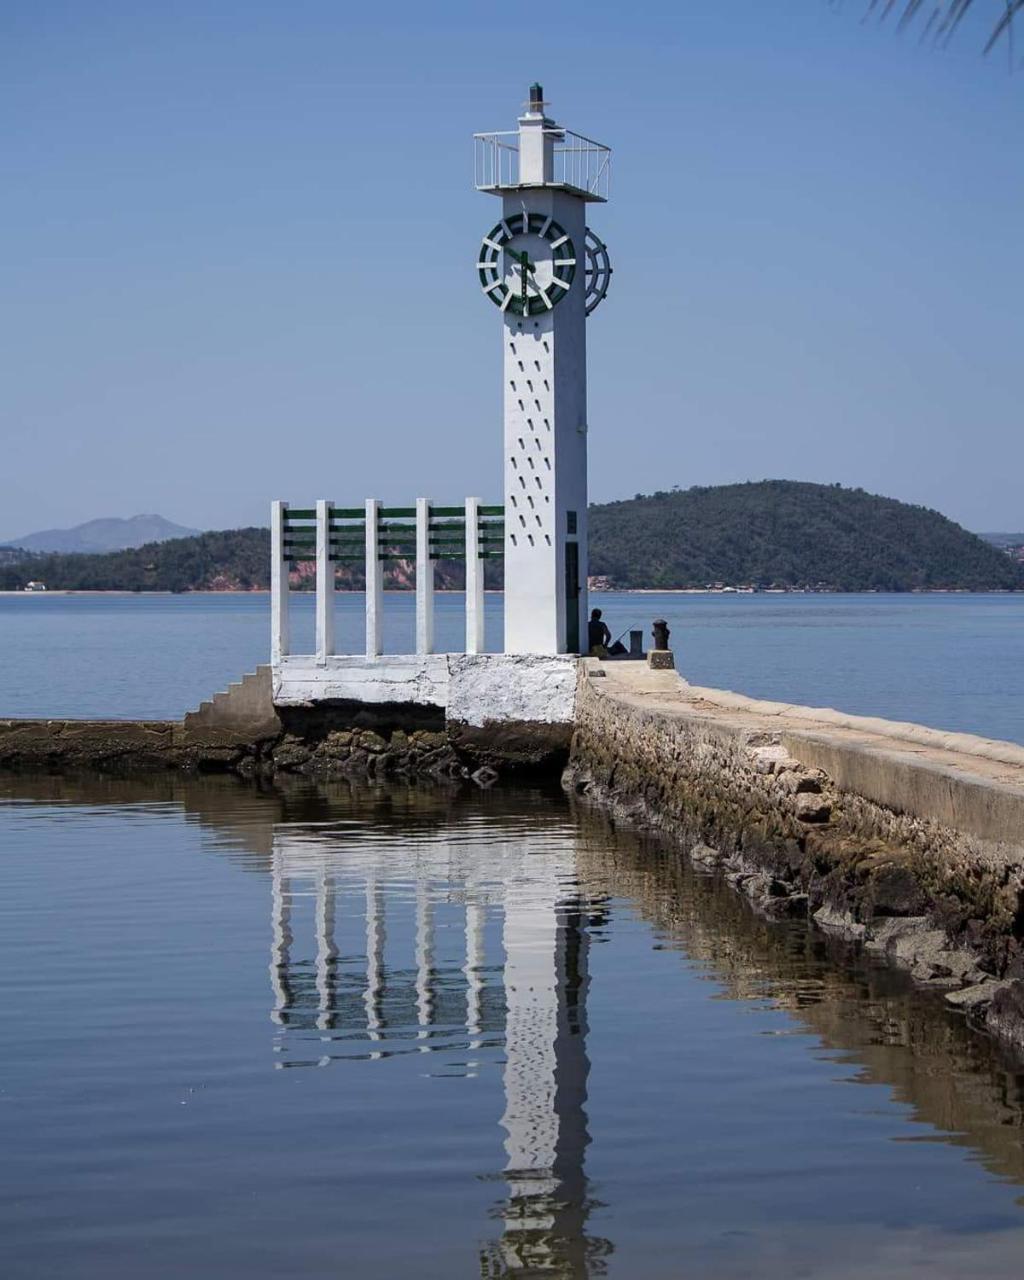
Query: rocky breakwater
[905, 840]
[145, 746]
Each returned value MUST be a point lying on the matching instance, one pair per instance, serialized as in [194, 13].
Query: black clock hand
[525, 265]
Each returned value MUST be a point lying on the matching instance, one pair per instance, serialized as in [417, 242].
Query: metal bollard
[636, 644]
[661, 657]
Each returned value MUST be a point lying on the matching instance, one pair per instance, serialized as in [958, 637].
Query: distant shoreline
[597, 594]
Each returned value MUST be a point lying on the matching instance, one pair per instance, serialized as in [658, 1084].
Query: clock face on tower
[527, 264]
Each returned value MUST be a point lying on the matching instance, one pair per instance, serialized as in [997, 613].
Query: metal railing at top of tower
[579, 163]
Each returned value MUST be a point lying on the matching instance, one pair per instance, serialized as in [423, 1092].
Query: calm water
[332, 1032]
[950, 661]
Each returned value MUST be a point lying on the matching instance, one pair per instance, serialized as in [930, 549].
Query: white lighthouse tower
[546, 272]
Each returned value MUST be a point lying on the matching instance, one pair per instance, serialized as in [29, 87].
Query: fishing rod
[629, 628]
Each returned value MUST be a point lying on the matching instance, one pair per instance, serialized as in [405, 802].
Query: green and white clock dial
[527, 264]
[598, 269]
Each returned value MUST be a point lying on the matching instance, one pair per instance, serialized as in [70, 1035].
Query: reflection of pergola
[949, 1078]
[371, 1004]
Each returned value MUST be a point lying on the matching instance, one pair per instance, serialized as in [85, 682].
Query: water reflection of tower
[376, 1004]
[546, 982]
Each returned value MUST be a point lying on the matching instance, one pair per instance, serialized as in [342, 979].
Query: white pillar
[278, 584]
[473, 969]
[376, 938]
[324, 584]
[326, 951]
[374, 580]
[474, 580]
[424, 960]
[424, 580]
[532, 998]
[281, 940]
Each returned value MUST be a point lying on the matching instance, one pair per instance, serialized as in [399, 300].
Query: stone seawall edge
[904, 853]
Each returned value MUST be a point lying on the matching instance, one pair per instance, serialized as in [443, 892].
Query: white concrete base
[474, 689]
[507, 688]
[421, 679]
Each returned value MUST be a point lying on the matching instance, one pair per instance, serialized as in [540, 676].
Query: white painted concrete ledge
[474, 689]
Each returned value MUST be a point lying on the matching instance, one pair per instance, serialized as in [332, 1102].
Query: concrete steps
[245, 707]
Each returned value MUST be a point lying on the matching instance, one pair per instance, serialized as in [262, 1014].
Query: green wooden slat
[349, 513]
[491, 511]
[491, 555]
[384, 512]
[300, 513]
[448, 511]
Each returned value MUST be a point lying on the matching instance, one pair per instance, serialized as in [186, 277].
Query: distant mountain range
[1004, 540]
[770, 534]
[112, 533]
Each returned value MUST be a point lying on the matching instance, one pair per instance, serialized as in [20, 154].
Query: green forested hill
[238, 558]
[769, 533]
[788, 533]
[232, 560]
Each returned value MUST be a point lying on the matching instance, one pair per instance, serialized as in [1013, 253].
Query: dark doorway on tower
[572, 597]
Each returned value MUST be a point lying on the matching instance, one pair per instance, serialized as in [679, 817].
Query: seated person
[598, 635]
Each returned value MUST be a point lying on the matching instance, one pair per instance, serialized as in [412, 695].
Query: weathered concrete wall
[416, 679]
[474, 687]
[512, 708]
[913, 847]
[498, 710]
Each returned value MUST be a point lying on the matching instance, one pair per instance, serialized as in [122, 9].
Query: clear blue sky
[239, 238]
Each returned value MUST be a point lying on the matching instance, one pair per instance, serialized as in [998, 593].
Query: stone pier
[906, 839]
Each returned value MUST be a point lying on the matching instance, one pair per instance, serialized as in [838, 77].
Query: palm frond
[1005, 24]
[909, 14]
[945, 18]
